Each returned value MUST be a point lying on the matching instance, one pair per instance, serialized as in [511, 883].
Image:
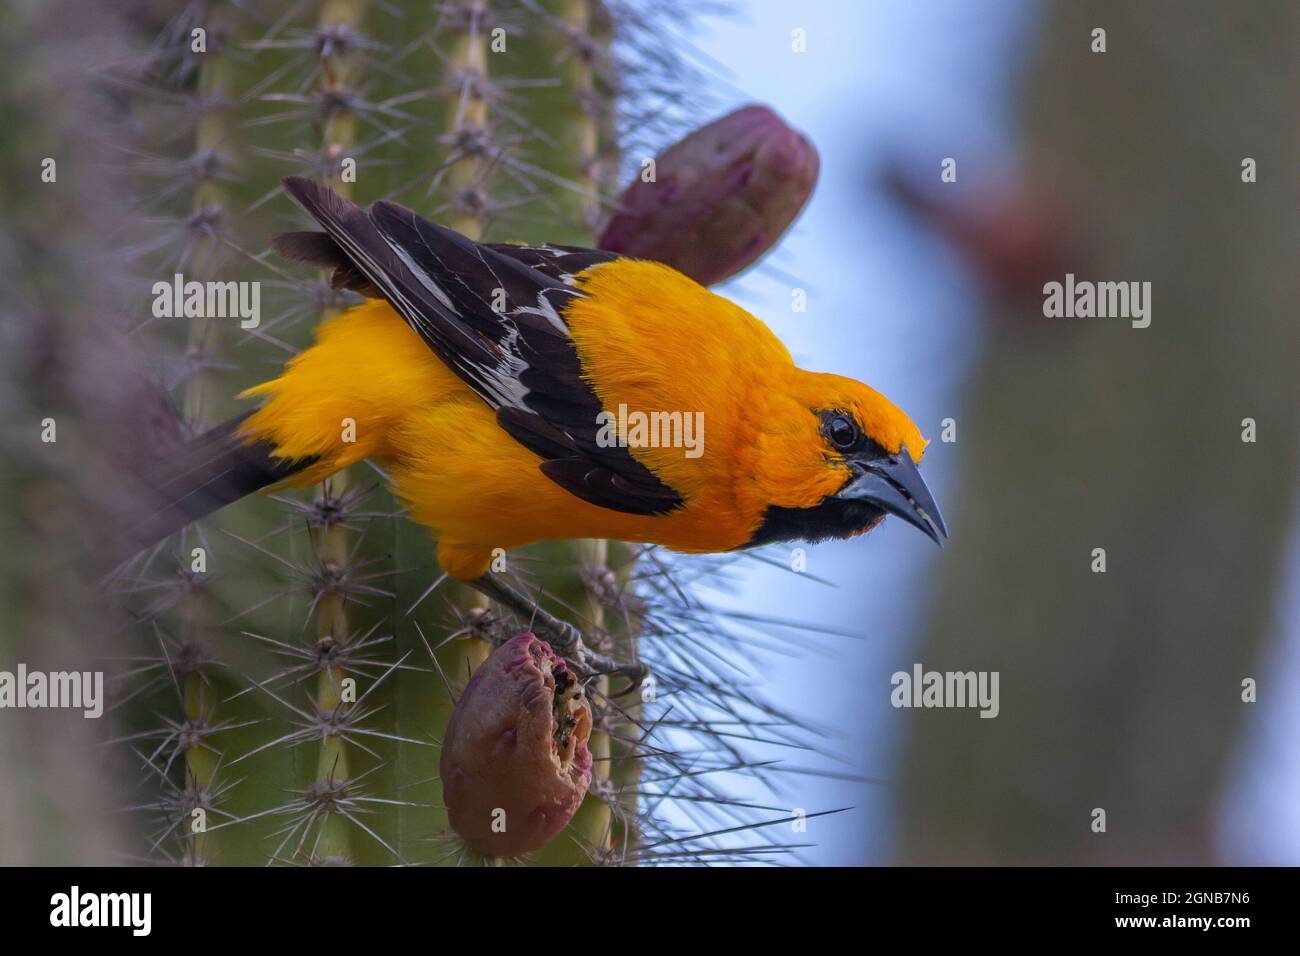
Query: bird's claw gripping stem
[561, 635]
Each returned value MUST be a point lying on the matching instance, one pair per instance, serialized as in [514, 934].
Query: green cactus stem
[203, 395]
[340, 71]
[467, 138]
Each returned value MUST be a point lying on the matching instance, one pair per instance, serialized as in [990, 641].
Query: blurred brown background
[1123, 690]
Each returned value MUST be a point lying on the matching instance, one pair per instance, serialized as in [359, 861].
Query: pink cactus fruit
[1014, 234]
[720, 198]
[515, 764]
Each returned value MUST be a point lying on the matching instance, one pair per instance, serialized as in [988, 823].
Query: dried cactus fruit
[719, 198]
[515, 764]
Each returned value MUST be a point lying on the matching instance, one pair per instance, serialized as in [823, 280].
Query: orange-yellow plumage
[648, 338]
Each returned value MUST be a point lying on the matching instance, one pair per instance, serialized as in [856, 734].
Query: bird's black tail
[196, 479]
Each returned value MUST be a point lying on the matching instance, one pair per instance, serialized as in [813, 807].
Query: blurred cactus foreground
[282, 675]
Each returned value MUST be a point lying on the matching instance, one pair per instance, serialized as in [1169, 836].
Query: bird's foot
[563, 637]
[568, 643]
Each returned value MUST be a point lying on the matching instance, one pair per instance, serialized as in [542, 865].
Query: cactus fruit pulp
[515, 763]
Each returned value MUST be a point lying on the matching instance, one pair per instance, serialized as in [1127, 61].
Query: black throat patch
[832, 518]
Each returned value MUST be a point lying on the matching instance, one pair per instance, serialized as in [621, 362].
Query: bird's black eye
[842, 432]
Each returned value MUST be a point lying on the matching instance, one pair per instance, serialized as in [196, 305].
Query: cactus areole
[515, 764]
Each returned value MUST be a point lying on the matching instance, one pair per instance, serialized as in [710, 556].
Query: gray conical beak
[895, 486]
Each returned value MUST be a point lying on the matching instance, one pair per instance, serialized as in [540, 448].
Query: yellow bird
[519, 394]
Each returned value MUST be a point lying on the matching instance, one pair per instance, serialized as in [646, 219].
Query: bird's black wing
[555, 262]
[494, 315]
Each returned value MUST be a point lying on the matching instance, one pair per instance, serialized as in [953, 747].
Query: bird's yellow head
[850, 458]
